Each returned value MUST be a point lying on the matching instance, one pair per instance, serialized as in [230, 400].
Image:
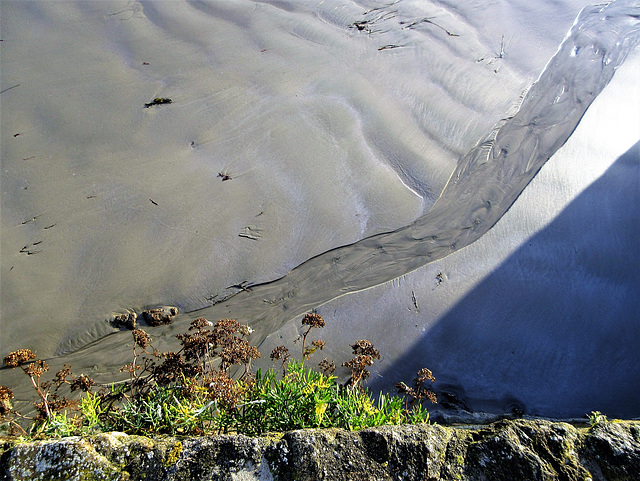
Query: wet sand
[329, 134]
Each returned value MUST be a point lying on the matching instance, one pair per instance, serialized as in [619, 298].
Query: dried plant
[6, 395]
[238, 351]
[83, 383]
[50, 403]
[173, 369]
[8, 415]
[365, 348]
[19, 357]
[315, 345]
[419, 392]
[281, 353]
[197, 374]
[224, 390]
[34, 368]
[139, 372]
[193, 391]
[312, 320]
[328, 367]
[141, 338]
[364, 356]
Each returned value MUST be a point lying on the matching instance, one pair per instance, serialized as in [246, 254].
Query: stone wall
[504, 450]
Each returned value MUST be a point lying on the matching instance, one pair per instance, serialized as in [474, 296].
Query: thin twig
[9, 88]
[428, 20]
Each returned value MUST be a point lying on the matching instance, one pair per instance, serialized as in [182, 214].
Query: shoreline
[108, 204]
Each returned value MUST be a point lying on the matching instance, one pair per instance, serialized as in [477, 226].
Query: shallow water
[485, 183]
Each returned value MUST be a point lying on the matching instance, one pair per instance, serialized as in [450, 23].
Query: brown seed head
[365, 347]
[83, 383]
[359, 362]
[174, 367]
[196, 345]
[228, 326]
[200, 323]
[37, 368]
[280, 353]
[16, 358]
[141, 338]
[224, 390]
[239, 352]
[61, 375]
[327, 366]
[313, 320]
[224, 332]
[6, 394]
[424, 375]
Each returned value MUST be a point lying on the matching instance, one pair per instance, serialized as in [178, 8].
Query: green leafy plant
[596, 417]
[304, 398]
[192, 391]
[59, 425]
[92, 410]
[165, 410]
[294, 401]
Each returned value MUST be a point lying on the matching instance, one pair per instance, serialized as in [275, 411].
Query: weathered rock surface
[505, 450]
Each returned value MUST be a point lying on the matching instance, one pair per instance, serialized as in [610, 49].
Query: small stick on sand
[33, 219]
[9, 88]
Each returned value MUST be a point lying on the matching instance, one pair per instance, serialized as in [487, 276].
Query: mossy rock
[611, 450]
[505, 450]
[71, 458]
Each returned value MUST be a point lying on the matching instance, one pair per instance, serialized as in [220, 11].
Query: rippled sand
[326, 133]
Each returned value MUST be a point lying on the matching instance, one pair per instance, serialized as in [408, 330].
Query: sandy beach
[298, 128]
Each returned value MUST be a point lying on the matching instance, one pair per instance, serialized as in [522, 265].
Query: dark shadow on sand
[555, 330]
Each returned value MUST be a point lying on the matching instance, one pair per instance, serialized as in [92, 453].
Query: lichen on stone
[505, 450]
[174, 454]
